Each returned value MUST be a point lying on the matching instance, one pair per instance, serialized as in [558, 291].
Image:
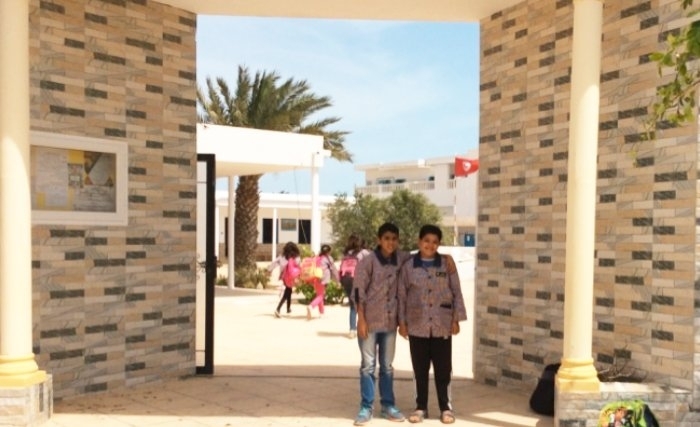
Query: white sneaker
[352, 334]
[277, 314]
[308, 313]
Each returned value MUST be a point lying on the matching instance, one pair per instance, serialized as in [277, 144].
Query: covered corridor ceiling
[401, 10]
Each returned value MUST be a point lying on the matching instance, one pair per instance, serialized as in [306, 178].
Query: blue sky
[404, 90]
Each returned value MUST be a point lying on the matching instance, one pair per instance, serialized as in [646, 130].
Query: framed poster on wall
[78, 180]
[288, 224]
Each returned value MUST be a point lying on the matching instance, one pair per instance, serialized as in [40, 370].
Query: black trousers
[287, 296]
[438, 351]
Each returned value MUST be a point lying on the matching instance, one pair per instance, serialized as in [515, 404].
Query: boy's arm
[359, 293]
[362, 329]
[401, 290]
[459, 312]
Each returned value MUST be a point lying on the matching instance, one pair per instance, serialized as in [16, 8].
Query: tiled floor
[286, 372]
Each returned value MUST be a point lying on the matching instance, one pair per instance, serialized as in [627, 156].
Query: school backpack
[348, 264]
[291, 272]
[311, 269]
[627, 413]
[542, 398]
[347, 272]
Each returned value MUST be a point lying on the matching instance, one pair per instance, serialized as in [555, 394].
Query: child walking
[430, 309]
[354, 252]
[286, 262]
[329, 272]
[375, 293]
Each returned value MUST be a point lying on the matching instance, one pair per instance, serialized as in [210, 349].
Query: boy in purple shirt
[375, 294]
[430, 309]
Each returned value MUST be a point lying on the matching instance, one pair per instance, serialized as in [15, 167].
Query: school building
[454, 195]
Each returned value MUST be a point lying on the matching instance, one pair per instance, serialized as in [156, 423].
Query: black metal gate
[206, 257]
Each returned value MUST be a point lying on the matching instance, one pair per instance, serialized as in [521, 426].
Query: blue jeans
[377, 345]
[347, 287]
[353, 317]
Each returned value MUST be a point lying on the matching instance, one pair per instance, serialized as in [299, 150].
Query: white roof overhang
[389, 10]
[245, 151]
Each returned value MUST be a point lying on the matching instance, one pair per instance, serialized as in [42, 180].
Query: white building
[292, 214]
[276, 151]
[456, 197]
[434, 178]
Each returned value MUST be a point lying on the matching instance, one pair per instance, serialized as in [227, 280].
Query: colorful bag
[311, 269]
[627, 413]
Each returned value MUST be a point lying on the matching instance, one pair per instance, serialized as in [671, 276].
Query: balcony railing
[390, 188]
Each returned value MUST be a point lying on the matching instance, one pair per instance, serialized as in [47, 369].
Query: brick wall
[646, 250]
[114, 306]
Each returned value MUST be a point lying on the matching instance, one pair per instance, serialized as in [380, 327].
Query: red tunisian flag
[464, 166]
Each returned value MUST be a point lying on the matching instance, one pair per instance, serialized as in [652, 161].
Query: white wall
[288, 206]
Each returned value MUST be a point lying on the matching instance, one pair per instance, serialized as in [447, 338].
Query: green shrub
[262, 277]
[222, 281]
[246, 278]
[305, 251]
[334, 293]
[307, 291]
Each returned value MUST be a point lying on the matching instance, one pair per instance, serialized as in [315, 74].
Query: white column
[231, 218]
[17, 364]
[455, 230]
[217, 231]
[274, 233]
[316, 162]
[577, 372]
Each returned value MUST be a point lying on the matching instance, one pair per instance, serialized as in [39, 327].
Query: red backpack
[291, 272]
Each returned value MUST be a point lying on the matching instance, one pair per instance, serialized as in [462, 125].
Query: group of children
[291, 269]
[417, 295]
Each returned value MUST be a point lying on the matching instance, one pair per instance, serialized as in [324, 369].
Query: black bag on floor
[542, 399]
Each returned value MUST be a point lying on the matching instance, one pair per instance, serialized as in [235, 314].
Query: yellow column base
[577, 375]
[20, 371]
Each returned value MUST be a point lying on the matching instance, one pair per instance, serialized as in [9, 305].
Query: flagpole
[463, 167]
[454, 212]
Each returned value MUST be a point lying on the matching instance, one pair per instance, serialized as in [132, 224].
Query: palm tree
[265, 103]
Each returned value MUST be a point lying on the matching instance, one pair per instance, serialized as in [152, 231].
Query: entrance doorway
[206, 259]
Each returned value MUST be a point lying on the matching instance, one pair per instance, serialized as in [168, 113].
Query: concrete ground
[287, 372]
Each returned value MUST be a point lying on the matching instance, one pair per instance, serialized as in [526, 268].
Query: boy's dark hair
[430, 229]
[325, 249]
[387, 227]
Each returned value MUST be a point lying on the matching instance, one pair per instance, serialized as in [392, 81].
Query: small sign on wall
[78, 180]
[288, 224]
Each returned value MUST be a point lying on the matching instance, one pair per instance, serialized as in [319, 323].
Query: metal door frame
[209, 263]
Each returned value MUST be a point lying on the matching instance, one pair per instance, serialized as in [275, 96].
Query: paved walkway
[286, 372]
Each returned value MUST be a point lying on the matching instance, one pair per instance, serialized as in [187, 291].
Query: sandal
[447, 417]
[417, 416]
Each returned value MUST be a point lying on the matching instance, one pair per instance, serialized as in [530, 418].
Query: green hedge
[334, 293]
